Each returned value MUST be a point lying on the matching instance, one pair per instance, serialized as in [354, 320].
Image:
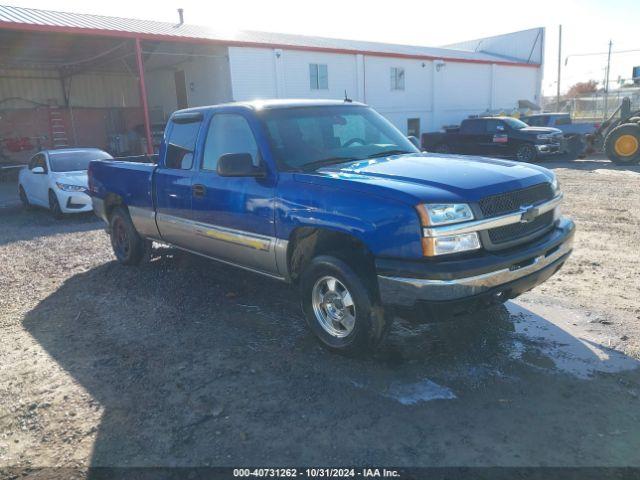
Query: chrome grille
[516, 231]
[509, 202]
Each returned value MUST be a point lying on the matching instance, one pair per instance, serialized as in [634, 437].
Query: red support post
[143, 98]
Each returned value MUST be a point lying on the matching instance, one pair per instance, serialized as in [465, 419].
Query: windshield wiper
[387, 153]
[309, 167]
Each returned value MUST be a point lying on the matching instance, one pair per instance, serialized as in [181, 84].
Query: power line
[613, 52]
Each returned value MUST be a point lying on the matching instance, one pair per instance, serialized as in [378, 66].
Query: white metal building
[89, 66]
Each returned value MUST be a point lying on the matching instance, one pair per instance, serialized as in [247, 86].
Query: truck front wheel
[128, 247]
[341, 308]
[526, 153]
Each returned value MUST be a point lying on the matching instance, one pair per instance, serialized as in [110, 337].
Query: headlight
[432, 246]
[444, 214]
[555, 185]
[544, 136]
[70, 188]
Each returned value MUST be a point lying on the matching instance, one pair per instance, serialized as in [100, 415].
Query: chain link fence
[596, 106]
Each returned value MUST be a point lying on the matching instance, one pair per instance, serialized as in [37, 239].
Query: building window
[318, 76]
[413, 127]
[397, 78]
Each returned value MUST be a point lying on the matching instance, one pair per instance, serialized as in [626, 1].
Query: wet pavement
[178, 340]
[184, 362]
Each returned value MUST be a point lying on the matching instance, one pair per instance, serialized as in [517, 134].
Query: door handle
[198, 190]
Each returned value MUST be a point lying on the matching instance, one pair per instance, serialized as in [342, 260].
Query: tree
[582, 88]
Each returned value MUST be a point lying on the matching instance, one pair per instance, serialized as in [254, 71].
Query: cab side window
[495, 126]
[181, 145]
[538, 121]
[38, 160]
[228, 133]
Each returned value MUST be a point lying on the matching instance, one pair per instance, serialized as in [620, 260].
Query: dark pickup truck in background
[496, 137]
[575, 133]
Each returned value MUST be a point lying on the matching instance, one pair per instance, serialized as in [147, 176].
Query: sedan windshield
[306, 138]
[74, 160]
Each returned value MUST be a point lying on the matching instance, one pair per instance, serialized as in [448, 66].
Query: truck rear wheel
[622, 145]
[340, 307]
[128, 247]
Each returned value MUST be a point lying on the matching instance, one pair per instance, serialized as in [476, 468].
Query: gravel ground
[183, 362]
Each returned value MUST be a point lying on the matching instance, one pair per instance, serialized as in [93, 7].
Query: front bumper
[500, 275]
[72, 202]
[550, 148]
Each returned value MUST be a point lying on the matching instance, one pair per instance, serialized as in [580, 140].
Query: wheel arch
[306, 242]
[111, 201]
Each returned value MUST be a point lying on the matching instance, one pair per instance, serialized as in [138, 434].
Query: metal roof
[30, 19]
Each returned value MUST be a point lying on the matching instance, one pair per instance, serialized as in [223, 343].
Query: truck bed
[132, 181]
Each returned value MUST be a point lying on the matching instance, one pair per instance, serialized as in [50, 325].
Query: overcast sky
[588, 25]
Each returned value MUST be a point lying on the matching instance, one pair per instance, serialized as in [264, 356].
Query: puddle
[560, 335]
[411, 393]
[423, 391]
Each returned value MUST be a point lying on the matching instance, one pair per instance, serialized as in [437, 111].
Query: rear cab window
[472, 127]
[181, 142]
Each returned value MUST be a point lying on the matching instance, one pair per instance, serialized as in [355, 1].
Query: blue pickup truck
[575, 134]
[331, 197]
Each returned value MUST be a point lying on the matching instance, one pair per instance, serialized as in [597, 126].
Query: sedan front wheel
[54, 206]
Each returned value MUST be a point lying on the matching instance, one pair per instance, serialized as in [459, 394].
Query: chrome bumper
[547, 149]
[403, 291]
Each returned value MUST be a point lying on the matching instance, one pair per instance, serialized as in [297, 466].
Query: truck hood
[433, 177]
[538, 130]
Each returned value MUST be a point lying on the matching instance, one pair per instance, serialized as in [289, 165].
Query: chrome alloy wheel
[333, 307]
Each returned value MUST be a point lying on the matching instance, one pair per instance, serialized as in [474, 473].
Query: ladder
[56, 128]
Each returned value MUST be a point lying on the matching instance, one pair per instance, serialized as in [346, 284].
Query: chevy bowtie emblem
[529, 213]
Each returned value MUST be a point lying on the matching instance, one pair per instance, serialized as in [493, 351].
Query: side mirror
[415, 142]
[38, 170]
[239, 165]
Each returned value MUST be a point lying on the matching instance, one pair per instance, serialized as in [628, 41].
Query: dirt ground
[184, 362]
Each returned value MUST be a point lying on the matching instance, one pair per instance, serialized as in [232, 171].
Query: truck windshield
[514, 123]
[309, 137]
[74, 160]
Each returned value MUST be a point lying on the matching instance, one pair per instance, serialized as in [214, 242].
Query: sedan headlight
[544, 136]
[432, 246]
[555, 185]
[444, 214]
[70, 188]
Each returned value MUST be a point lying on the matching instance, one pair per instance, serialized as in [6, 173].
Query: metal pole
[559, 66]
[606, 82]
[143, 98]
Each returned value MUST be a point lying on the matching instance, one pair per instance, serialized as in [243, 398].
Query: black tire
[576, 146]
[54, 206]
[371, 321]
[23, 197]
[442, 148]
[622, 144]
[128, 247]
[526, 153]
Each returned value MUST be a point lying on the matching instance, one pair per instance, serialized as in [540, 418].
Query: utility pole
[559, 66]
[606, 82]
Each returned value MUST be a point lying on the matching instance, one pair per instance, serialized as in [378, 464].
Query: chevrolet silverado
[331, 197]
